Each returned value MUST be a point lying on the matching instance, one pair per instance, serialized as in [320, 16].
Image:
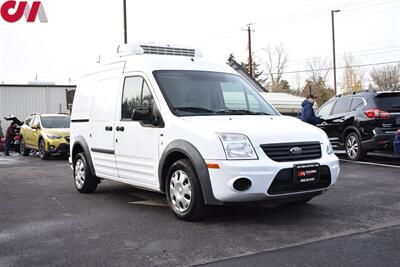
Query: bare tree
[298, 81]
[277, 59]
[319, 69]
[316, 82]
[387, 78]
[352, 80]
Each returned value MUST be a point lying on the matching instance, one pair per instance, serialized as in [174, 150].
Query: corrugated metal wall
[22, 101]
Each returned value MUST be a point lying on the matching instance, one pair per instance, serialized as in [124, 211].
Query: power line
[388, 49]
[342, 57]
[354, 66]
[319, 12]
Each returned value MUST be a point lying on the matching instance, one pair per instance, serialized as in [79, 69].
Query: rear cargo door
[389, 102]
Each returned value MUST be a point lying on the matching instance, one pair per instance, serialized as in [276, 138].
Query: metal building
[22, 100]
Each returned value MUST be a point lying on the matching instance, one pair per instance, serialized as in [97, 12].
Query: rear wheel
[183, 191]
[22, 148]
[44, 155]
[84, 181]
[354, 150]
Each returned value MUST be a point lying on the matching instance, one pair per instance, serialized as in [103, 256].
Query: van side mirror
[142, 114]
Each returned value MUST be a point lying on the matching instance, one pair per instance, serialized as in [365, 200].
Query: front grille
[67, 138]
[281, 152]
[172, 51]
[284, 183]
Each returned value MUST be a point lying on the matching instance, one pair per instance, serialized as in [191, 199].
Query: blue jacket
[307, 113]
[397, 144]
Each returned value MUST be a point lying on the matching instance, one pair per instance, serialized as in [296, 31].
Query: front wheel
[184, 194]
[44, 155]
[354, 150]
[85, 182]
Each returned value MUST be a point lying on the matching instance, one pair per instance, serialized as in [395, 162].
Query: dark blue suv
[361, 121]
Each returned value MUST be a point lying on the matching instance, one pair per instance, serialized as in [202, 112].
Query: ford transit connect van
[163, 119]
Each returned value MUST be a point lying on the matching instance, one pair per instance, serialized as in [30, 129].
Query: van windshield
[55, 121]
[203, 93]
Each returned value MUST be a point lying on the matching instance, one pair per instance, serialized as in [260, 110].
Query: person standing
[307, 111]
[10, 134]
[397, 143]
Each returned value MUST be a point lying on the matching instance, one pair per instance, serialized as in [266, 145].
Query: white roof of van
[151, 63]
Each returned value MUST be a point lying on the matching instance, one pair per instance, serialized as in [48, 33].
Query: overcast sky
[78, 31]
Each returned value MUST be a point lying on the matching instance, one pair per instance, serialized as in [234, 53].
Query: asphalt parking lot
[45, 222]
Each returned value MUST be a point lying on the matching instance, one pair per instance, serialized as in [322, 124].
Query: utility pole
[250, 54]
[250, 60]
[334, 50]
[125, 26]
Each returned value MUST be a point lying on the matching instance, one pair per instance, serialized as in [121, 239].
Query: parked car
[46, 133]
[163, 119]
[15, 143]
[362, 121]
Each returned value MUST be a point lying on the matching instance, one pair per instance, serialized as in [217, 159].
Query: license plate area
[306, 173]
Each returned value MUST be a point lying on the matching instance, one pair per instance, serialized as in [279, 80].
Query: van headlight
[329, 148]
[237, 146]
[52, 136]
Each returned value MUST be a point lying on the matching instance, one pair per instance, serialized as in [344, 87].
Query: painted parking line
[371, 163]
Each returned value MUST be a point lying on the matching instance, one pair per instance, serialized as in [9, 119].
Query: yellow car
[46, 133]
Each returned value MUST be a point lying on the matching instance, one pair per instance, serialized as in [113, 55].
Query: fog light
[242, 184]
[52, 147]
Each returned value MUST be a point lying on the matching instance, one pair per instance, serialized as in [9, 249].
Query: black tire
[22, 148]
[183, 171]
[353, 147]
[84, 181]
[44, 155]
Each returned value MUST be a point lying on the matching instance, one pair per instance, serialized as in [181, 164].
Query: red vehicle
[15, 144]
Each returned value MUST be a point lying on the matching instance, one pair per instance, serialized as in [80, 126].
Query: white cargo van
[163, 119]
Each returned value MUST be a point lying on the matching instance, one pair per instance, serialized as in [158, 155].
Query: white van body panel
[268, 130]
[96, 101]
[137, 151]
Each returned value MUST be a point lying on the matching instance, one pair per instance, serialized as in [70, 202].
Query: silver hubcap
[352, 146]
[79, 174]
[180, 191]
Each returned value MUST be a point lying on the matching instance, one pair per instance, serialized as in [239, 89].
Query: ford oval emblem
[296, 150]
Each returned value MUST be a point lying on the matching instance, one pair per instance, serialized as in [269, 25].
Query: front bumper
[58, 148]
[262, 173]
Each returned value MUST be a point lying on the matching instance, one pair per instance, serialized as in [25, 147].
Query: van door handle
[120, 128]
[108, 128]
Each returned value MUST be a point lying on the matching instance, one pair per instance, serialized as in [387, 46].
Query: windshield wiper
[194, 109]
[240, 112]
